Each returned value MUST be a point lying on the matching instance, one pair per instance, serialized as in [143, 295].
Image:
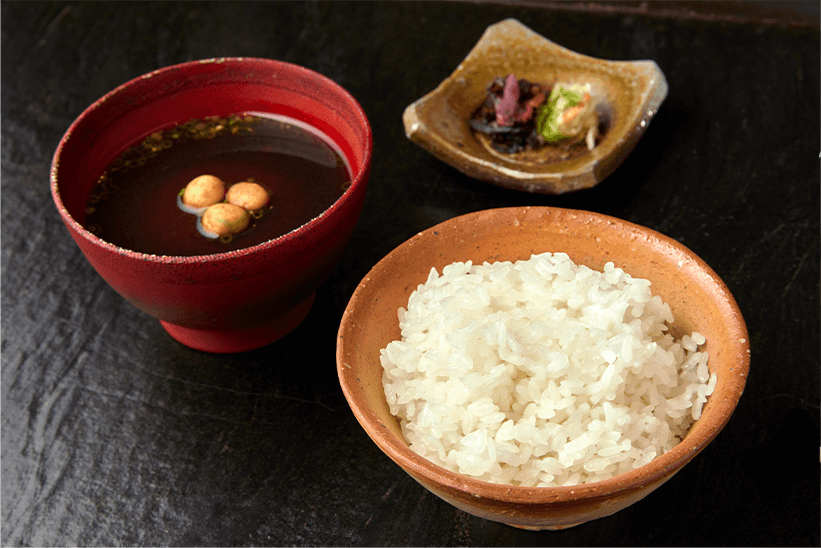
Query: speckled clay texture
[697, 297]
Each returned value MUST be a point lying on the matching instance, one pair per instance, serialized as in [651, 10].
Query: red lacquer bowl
[227, 302]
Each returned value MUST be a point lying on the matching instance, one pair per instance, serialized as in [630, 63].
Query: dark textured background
[114, 434]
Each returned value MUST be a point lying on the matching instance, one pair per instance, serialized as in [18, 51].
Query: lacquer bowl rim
[359, 179]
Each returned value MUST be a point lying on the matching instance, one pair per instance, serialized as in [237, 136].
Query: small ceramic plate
[628, 94]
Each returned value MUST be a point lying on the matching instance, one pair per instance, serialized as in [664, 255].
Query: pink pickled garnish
[526, 113]
[509, 106]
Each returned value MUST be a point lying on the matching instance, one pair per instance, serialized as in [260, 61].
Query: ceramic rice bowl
[698, 299]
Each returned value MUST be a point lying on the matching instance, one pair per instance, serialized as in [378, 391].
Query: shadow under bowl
[629, 93]
[697, 297]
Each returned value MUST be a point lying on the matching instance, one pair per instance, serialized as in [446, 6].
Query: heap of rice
[542, 372]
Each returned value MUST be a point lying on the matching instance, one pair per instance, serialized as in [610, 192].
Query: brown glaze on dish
[697, 297]
[629, 94]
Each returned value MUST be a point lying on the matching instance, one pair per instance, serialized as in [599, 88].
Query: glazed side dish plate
[628, 95]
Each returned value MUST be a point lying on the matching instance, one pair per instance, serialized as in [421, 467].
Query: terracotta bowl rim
[660, 467]
[358, 180]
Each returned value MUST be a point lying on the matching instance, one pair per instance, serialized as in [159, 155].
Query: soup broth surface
[134, 203]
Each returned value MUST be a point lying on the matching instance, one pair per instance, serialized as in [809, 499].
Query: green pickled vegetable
[548, 122]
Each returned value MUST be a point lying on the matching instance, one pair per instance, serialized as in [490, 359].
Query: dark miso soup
[134, 204]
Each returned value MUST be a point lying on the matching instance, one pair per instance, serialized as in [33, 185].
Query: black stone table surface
[115, 434]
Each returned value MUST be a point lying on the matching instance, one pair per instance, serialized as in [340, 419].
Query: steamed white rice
[542, 372]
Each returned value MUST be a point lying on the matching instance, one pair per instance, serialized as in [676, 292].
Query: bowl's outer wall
[697, 297]
[233, 290]
[545, 515]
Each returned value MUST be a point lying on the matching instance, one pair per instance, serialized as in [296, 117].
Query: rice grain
[542, 372]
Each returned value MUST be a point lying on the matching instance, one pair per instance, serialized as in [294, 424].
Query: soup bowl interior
[233, 301]
[697, 297]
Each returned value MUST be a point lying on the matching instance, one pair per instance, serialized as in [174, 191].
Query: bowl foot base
[545, 527]
[226, 341]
